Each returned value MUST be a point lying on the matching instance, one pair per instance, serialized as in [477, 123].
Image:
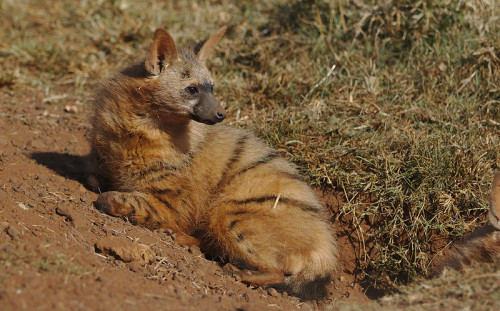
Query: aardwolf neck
[184, 135]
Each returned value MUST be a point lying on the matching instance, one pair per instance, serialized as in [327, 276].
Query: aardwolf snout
[208, 110]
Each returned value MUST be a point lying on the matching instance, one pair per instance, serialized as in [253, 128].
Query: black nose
[220, 115]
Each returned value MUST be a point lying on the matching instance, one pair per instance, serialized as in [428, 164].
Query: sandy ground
[58, 252]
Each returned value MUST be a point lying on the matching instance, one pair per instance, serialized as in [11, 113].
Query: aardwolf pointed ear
[495, 202]
[161, 50]
[205, 47]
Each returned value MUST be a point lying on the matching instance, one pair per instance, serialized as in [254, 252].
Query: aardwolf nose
[208, 110]
[220, 115]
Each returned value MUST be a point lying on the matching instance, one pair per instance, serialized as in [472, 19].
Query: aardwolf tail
[482, 245]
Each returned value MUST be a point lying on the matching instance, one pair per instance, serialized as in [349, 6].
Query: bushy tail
[482, 245]
[312, 280]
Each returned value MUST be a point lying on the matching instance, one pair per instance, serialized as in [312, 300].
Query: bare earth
[58, 252]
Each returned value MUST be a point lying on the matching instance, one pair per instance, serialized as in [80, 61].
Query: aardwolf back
[166, 162]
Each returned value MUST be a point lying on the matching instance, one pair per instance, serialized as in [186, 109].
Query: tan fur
[483, 245]
[162, 169]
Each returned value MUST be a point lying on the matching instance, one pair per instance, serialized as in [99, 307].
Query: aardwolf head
[183, 86]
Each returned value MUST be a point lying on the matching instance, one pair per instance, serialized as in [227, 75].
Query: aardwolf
[166, 161]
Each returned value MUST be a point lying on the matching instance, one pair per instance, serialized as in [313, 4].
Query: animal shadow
[66, 165]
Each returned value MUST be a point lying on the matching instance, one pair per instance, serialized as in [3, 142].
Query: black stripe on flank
[255, 200]
[232, 224]
[168, 205]
[166, 191]
[237, 151]
[162, 176]
[240, 237]
[302, 205]
[152, 169]
[162, 191]
[239, 212]
[168, 169]
[268, 158]
[240, 144]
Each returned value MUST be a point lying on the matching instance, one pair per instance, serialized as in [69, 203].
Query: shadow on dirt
[66, 165]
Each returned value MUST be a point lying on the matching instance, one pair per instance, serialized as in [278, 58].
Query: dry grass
[40, 262]
[406, 126]
[476, 288]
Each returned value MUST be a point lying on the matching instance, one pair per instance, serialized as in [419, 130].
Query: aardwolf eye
[192, 90]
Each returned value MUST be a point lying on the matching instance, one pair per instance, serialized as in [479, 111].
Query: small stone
[71, 108]
[307, 306]
[135, 266]
[181, 267]
[22, 206]
[5, 154]
[61, 211]
[125, 250]
[148, 271]
[195, 250]
[38, 144]
[13, 232]
[273, 292]
[231, 270]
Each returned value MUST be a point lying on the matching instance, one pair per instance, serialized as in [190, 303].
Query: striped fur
[164, 164]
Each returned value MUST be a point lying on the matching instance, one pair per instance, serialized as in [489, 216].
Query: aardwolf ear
[161, 50]
[205, 47]
[495, 202]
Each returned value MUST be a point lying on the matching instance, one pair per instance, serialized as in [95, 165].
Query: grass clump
[476, 288]
[406, 129]
[58, 262]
